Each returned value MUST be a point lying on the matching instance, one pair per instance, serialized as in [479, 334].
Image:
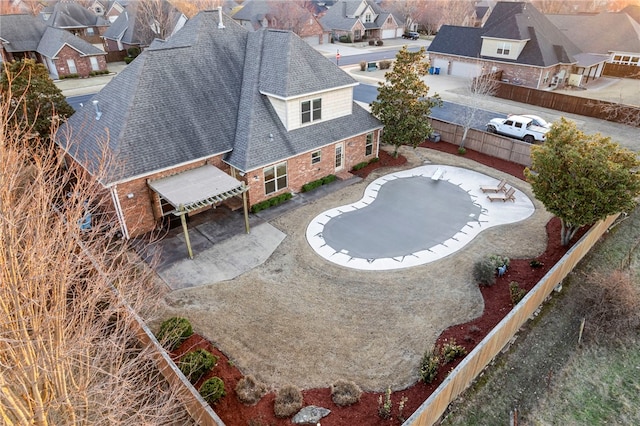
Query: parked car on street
[412, 35]
[529, 128]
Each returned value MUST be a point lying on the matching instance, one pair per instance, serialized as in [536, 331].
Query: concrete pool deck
[451, 209]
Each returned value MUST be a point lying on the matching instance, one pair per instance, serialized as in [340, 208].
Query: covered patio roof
[197, 188]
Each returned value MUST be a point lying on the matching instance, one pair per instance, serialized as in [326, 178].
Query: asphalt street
[449, 111]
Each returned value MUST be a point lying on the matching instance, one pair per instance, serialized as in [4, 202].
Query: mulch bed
[497, 302]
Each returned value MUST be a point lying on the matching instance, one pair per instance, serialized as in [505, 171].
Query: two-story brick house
[216, 111]
[516, 39]
[361, 19]
[76, 19]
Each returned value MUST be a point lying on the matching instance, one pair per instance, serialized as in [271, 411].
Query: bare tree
[409, 10]
[190, 8]
[476, 93]
[68, 299]
[155, 19]
[291, 15]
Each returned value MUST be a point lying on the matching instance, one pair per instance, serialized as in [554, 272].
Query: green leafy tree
[36, 102]
[582, 178]
[403, 104]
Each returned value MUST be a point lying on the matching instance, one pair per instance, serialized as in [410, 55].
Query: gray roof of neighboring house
[22, 32]
[337, 18]
[54, 39]
[598, 36]
[199, 94]
[546, 45]
[72, 15]
[255, 11]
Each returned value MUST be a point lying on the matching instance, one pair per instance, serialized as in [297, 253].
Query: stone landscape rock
[310, 415]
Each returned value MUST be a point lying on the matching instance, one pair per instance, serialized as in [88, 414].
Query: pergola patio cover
[197, 188]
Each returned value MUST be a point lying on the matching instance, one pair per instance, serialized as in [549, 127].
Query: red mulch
[497, 302]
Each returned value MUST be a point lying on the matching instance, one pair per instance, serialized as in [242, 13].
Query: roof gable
[545, 44]
[73, 15]
[54, 39]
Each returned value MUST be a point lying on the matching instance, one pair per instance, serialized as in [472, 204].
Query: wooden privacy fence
[494, 145]
[621, 70]
[472, 365]
[609, 111]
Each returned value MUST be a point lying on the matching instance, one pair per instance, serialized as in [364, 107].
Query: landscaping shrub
[249, 390]
[328, 179]
[363, 64]
[451, 350]
[462, 150]
[197, 363]
[65, 76]
[344, 393]
[374, 160]
[429, 366]
[173, 332]
[499, 260]
[133, 51]
[101, 72]
[317, 183]
[360, 166]
[536, 264]
[385, 405]
[288, 401]
[372, 42]
[212, 390]
[484, 273]
[379, 43]
[274, 201]
[385, 64]
[127, 59]
[516, 292]
[345, 39]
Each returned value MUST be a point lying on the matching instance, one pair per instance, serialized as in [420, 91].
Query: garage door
[313, 40]
[386, 34]
[465, 69]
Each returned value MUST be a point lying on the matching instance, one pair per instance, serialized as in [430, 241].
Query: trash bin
[431, 70]
[434, 137]
[437, 70]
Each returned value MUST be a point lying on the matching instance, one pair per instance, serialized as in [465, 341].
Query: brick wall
[301, 171]
[83, 63]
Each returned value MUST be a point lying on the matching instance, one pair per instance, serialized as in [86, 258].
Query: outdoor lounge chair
[507, 196]
[502, 186]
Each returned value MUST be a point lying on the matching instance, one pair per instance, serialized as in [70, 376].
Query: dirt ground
[299, 319]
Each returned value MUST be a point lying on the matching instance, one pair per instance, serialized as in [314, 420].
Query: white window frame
[368, 146]
[316, 157]
[314, 111]
[95, 65]
[71, 64]
[274, 175]
[504, 48]
[367, 17]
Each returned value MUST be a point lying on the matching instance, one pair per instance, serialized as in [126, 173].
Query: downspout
[378, 144]
[540, 79]
[119, 214]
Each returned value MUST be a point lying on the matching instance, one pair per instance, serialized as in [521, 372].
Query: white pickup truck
[529, 128]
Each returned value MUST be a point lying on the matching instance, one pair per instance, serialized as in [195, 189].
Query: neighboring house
[361, 19]
[612, 37]
[25, 36]
[481, 12]
[76, 19]
[516, 39]
[283, 15]
[214, 111]
[113, 9]
[137, 26]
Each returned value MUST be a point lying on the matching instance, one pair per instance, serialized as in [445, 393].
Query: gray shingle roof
[336, 17]
[197, 95]
[54, 39]
[22, 32]
[600, 38]
[73, 15]
[131, 30]
[546, 45]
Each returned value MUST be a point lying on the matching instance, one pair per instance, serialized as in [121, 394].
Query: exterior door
[339, 156]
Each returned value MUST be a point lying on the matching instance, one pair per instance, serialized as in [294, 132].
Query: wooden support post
[246, 208]
[183, 219]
